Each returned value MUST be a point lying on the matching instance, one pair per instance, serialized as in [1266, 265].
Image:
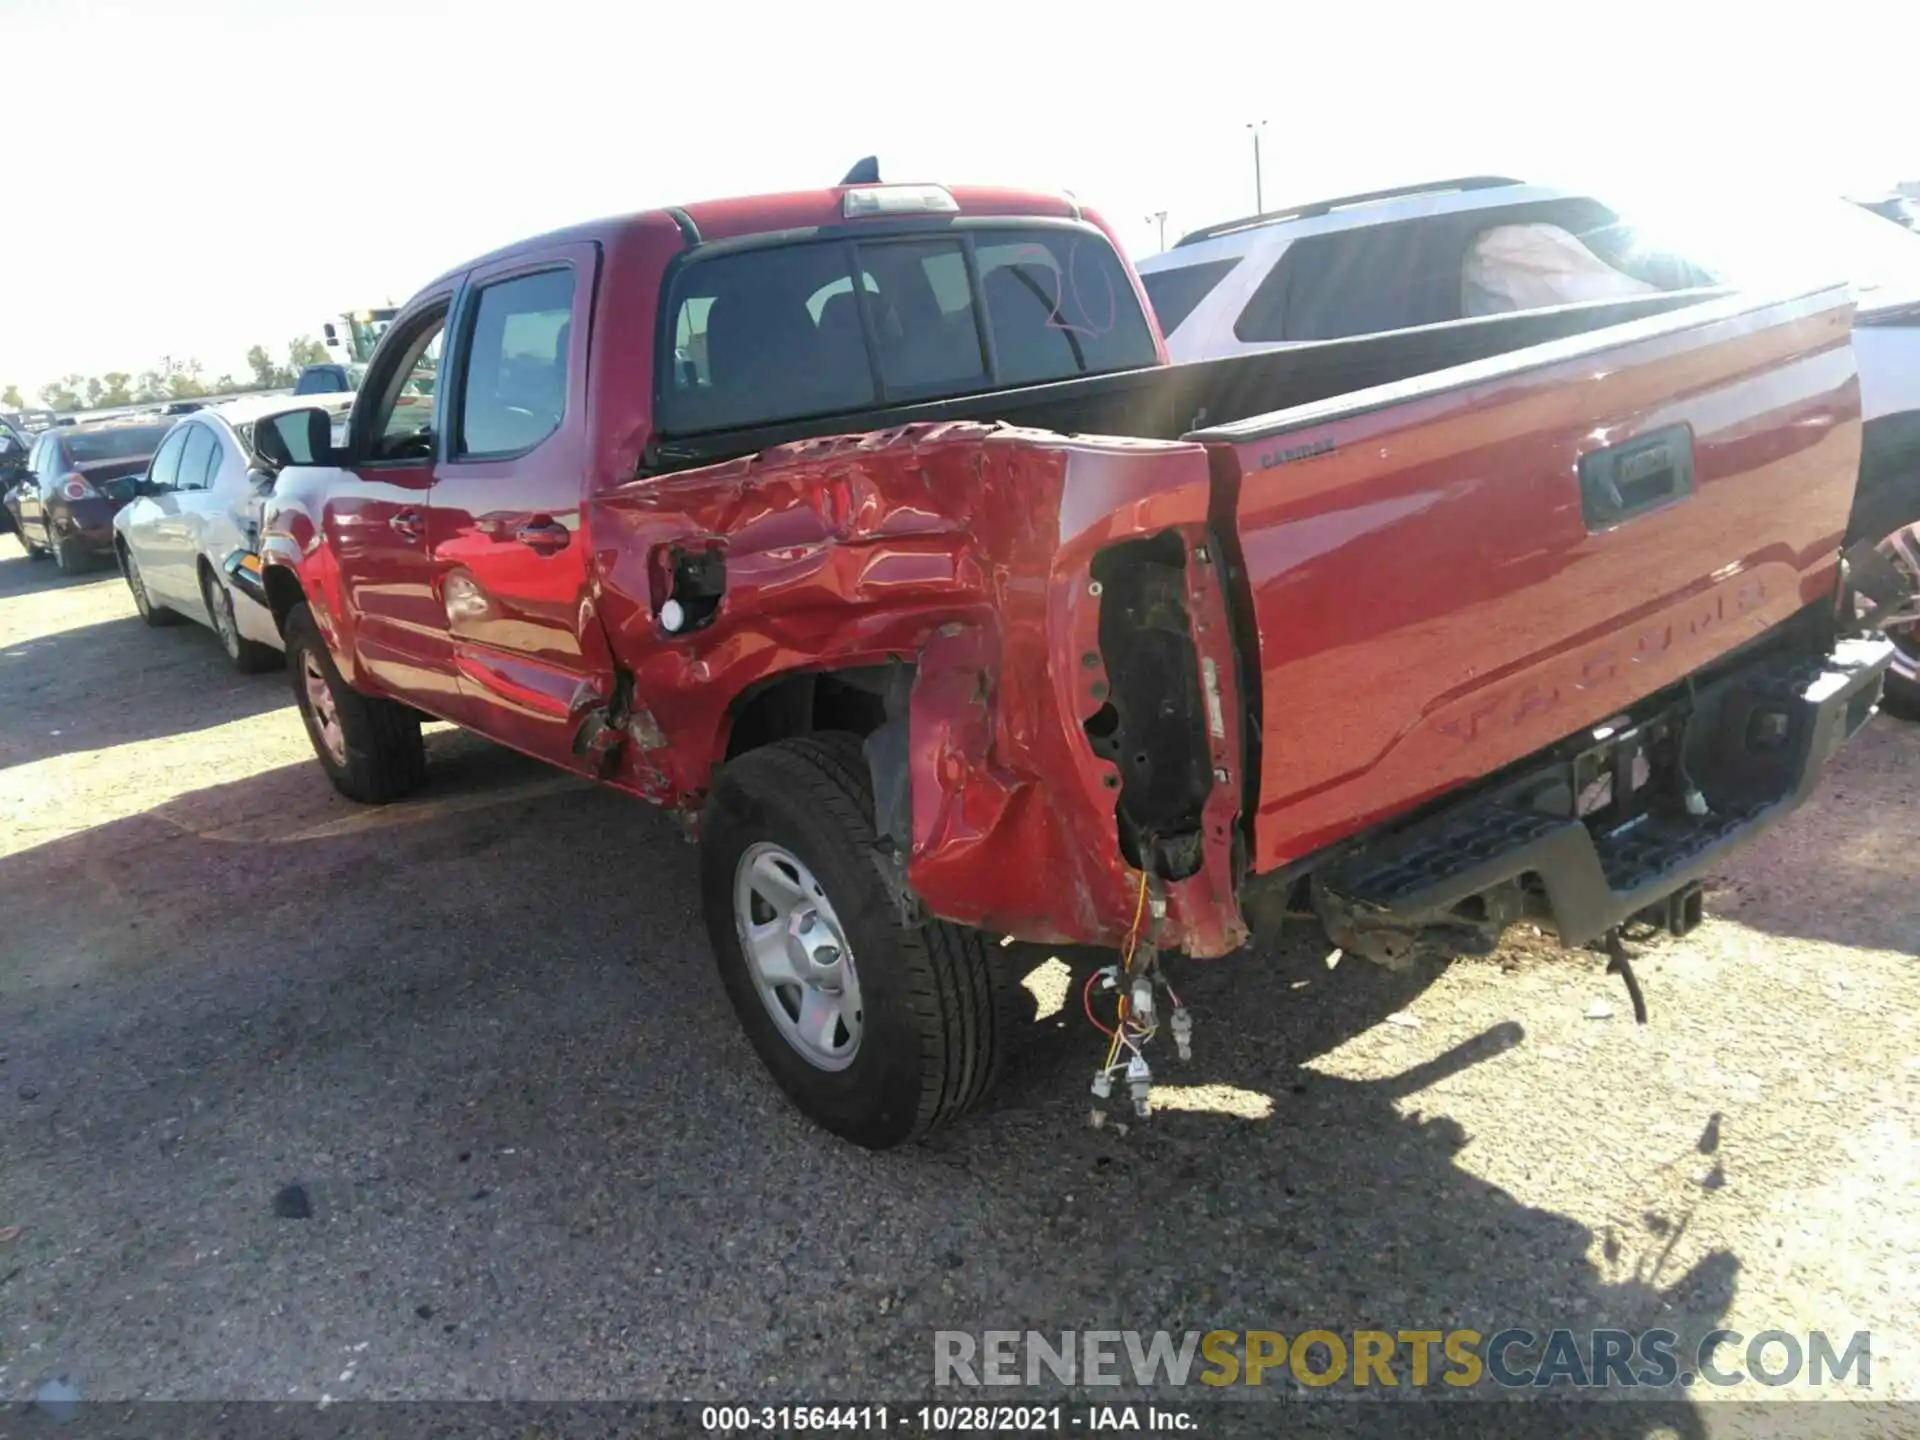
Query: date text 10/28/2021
[946, 1419]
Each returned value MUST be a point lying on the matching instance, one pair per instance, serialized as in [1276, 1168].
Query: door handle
[408, 523]
[1624, 480]
[543, 535]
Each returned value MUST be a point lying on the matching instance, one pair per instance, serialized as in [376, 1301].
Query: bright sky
[194, 176]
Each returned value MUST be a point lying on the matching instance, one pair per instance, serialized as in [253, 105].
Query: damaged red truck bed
[869, 528]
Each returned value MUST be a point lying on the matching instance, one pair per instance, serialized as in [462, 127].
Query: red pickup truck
[870, 529]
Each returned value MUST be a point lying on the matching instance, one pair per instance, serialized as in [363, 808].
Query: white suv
[1449, 251]
[1393, 260]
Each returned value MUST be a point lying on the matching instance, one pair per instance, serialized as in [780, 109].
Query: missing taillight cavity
[687, 584]
[1153, 724]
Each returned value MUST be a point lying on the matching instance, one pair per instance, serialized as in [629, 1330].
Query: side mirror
[260, 481]
[298, 437]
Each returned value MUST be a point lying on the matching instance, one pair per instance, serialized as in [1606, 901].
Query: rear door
[376, 517]
[1451, 573]
[509, 555]
[174, 562]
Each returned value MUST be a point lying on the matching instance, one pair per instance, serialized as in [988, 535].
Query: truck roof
[708, 220]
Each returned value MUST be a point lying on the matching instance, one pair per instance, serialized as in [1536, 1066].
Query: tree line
[171, 379]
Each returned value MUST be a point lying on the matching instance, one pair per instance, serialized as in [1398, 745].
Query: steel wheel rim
[1903, 549]
[323, 715]
[797, 956]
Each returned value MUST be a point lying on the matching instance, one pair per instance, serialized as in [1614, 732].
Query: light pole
[1159, 217]
[1259, 204]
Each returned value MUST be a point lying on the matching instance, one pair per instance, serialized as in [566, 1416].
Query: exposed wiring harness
[1135, 1020]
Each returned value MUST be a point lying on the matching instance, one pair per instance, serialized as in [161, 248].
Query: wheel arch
[867, 701]
[284, 591]
[849, 698]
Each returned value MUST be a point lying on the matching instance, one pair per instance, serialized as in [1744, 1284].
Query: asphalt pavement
[445, 1100]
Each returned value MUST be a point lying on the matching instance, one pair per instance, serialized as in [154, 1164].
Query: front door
[511, 561]
[376, 520]
[149, 511]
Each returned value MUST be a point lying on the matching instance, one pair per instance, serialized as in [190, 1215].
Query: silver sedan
[197, 505]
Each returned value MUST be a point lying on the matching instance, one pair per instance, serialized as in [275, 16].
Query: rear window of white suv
[1176, 292]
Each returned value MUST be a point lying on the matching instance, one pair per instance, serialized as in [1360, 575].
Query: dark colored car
[14, 447]
[77, 478]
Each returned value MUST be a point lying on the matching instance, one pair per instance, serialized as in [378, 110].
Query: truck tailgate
[1453, 572]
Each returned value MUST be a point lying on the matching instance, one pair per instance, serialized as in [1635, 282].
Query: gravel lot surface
[481, 1032]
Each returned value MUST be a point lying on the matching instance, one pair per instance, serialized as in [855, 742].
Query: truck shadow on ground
[482, 1035]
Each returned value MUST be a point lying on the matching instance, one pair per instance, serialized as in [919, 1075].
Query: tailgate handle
[1639, 475]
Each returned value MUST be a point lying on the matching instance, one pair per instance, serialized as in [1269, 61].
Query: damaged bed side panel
[965, 552]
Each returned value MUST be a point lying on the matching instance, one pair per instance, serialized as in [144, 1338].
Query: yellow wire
[1133, 940]
[1133, 930]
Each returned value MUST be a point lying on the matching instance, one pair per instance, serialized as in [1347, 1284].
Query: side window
[402, 421]
[52, 462]
[513, 393]
[199, 449]
[217, 457]
[1357, 282]
[1176, 292]
[165, 471]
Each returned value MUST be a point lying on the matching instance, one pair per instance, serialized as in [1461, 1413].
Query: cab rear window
[786, 332]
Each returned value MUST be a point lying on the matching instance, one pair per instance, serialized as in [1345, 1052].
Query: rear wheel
[1903, 679]
[371, 749]
[879, 1031]
[72, 555]
[249, 657]
[154, 615]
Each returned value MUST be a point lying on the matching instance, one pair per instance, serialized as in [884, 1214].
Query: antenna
[864, 172]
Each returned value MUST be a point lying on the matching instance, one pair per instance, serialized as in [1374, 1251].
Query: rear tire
[931, 1035]
[1902, 694]
[156, 616]
[249, 657]
[1901, 697]
[370, 748]
[72, 555]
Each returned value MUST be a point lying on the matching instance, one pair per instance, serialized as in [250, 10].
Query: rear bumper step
[1754, 747]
